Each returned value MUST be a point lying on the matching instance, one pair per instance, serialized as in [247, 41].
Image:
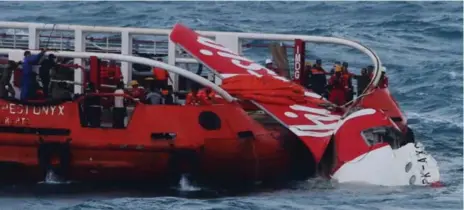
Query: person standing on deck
[44, 73]
[168, 97]
[207, 94]
[348, 77]
[154, 95]
[92, 107]
[5, 81]
[383, 83]
[332, 71]
[161, 76]
[338, 87]
[306, 74]
[137, 92]
[362, 81]
[370, 71]
[119, 109]
[196, 97]
[27, 73]
[318, 79]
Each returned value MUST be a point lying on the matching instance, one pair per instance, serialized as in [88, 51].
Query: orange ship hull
[218, 143]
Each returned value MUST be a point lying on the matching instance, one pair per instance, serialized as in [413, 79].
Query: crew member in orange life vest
[207, 93]
[195, 97]
[270, 66]
[338, 87]
[161, 75]
[348, 77]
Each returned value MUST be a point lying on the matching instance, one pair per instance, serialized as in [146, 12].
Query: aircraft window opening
[387, 134]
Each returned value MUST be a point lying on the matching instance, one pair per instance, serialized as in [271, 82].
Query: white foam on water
[185, 185]
[52, 178]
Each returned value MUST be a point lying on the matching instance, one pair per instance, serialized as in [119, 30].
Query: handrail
[80, 98]
[140, 60]
[260, 36]
[135, 41]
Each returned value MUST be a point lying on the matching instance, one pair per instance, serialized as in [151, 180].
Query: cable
[50, 36]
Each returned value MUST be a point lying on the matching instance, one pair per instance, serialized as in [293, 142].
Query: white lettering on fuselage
[319, 117]
[19, 109]
[235, 59]
[322, 122]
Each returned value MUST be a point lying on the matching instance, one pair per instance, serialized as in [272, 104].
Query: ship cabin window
[382, 134]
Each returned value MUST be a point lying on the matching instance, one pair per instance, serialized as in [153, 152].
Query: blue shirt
[29, 61]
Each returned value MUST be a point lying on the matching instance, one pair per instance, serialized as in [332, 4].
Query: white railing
[17, 40]
[231, 40]
[133, 59]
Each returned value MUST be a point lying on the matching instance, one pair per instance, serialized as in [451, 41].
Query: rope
[50, 36]
[357, 98]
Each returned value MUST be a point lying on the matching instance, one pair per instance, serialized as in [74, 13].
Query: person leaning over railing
[27, 78]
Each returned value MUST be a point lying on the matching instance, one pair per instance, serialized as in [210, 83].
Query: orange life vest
[315, 71]
[209, 96]
[160, 74]
[198, 99]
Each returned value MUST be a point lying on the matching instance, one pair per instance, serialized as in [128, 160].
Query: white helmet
[268, 61]
[384, 69]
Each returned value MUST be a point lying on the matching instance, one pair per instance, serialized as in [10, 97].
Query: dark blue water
[420, 43]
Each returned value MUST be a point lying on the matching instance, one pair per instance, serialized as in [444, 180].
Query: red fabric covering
[266, 89]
